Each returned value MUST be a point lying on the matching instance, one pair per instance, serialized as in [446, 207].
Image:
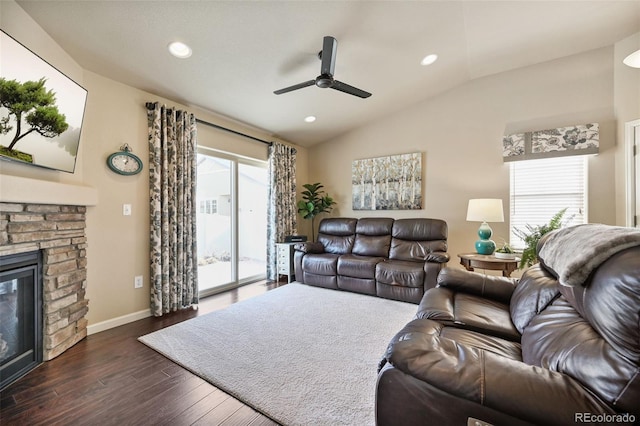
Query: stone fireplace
[50, 218]
[58, 232]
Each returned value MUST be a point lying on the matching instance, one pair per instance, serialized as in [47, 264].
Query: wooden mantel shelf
[15, 189]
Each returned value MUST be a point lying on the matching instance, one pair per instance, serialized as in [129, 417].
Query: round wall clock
[124, 162]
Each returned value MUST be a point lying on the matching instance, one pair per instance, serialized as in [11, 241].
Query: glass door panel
[252, 221]
[232, 222]
[214, 222]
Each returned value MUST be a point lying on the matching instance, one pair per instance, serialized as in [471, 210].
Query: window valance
[581, 139]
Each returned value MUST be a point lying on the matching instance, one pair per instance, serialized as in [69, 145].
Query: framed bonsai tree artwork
[41, 110]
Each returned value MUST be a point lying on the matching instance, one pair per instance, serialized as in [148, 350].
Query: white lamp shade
[633, 60]
[485, 210]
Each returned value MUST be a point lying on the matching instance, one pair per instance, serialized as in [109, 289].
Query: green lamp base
[485, 245]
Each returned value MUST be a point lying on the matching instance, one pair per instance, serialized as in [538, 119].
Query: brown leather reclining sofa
[397, 259]
[559, 346]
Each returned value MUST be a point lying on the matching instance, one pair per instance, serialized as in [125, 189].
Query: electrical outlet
[137, 282]
[126, 209]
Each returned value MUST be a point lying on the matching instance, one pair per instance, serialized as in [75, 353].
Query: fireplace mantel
[15, 189]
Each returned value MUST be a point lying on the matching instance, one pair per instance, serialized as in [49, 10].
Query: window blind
[541, 188]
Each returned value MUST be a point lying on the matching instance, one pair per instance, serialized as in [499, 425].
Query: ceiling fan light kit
[633, 60]
[325, 80]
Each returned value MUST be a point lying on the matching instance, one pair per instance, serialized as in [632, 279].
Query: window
[541, 188]
[209, 206]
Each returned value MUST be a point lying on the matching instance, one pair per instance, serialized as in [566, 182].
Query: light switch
[126, 209]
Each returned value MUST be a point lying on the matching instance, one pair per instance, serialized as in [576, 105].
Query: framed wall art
[41, 110]
[387, 183]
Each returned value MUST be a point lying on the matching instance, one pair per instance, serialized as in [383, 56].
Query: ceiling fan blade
[329, 48]
[295, 87]
[343, 87]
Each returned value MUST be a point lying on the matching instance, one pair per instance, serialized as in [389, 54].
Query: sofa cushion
[398, 292]
[374, 226]
[357, 285]
[352, 265]
[337, 234]
[489, 286]
[611, 302]
[372, 245]
[434, 352]
[416, 239]
[561, 340]
[535, 290]
[468, 311]
[398, 272]
[325, 281]
[320, 264]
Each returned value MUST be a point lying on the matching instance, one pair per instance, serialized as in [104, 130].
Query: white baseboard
[116, 322]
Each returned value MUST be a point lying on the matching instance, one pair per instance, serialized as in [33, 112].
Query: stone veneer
[59, 232]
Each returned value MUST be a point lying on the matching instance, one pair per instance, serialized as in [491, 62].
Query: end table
[482, 261]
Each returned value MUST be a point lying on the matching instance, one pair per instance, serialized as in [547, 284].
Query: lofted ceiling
[244, 50]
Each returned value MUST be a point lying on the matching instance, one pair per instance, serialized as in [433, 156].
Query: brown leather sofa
[546, 349]
[393, 258]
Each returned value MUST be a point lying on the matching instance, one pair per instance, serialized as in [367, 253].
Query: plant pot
[509, 256]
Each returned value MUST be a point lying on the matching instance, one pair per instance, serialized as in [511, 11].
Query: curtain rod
[150, 105]
[234, 132]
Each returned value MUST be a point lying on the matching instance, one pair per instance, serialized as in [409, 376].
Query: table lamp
[485, 210]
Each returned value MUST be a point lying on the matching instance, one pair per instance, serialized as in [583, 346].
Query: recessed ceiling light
[429, 59]
[310, 119]
[633, 60]
[179, 50]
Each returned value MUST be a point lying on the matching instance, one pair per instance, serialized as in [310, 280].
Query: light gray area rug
[301, 355]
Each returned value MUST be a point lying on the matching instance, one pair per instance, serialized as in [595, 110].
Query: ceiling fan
[325, 79]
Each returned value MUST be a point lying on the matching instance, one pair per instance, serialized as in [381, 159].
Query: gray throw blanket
[574, 253]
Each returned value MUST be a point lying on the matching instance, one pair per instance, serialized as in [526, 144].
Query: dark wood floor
[110, 378]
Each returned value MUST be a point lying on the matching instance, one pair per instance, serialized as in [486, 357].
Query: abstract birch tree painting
[387, 183]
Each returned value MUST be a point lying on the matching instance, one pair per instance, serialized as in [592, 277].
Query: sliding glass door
[231, 221]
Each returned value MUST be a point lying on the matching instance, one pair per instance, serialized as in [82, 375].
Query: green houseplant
[505, 251]
[532, 234]
[314, 201]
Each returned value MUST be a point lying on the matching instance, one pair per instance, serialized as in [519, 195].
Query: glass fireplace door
[20, 316]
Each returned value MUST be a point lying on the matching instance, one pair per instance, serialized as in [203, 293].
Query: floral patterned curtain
[172, 190]
[281, 211]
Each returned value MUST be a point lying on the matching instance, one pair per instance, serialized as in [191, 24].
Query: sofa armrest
[309, 247]
[437, 257]
[489, 286]
[533, 394]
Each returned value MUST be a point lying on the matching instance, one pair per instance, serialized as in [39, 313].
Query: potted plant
[314, 201]
[532, 234]
[505, 252]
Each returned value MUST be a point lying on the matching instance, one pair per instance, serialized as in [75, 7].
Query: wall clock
[124, 162]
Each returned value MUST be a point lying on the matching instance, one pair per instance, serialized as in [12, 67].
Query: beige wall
[460, 134]
[627, 107]
[118, 246]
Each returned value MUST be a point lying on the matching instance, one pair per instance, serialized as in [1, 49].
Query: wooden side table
[483, 261]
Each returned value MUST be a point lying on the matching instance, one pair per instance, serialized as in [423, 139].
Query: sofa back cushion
[337, 234]
[592, 332]
[610, 301]
[535, 290]
[373, 237]
[415, 239]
